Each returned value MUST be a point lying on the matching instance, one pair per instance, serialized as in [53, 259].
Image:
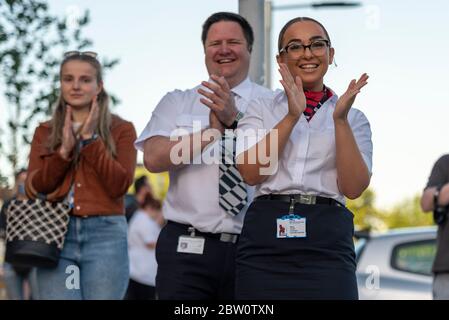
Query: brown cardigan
[100, 180]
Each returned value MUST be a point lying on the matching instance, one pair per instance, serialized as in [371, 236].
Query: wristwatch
[238, 117]
[436, 195]
[87, 141]
[439, 212]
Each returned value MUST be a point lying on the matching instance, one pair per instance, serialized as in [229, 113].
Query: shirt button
[79, 185]
[78, 207]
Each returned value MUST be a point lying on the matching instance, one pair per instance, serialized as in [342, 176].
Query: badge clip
[192, 231]
[291, 210]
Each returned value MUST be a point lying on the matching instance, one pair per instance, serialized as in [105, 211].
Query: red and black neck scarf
[315, 99]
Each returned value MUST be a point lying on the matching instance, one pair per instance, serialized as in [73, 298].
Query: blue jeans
[94, 262]
[15, 282]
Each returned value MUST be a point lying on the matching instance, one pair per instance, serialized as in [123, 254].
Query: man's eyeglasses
[295, 49]
[91, 54]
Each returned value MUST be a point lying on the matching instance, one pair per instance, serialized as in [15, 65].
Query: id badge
[189, 244]
[291, 226]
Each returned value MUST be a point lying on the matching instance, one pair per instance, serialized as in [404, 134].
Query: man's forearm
[428, 195]
[164, 154]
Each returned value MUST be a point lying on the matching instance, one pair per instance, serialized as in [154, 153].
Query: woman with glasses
[305, 149]
[85, 155]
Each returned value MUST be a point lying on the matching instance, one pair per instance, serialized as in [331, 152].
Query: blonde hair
[105, 118]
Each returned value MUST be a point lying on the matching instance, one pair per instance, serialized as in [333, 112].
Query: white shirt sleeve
[250, 128]
[362, 134]
[161, 122]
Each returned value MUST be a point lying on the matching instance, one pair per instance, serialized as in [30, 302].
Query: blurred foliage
[366, 216]
[407, 213]
[32, 42]
[3, 181]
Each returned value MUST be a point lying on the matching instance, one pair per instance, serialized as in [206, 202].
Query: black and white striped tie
[233, 194]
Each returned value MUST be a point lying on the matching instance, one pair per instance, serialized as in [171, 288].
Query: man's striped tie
[233, 194]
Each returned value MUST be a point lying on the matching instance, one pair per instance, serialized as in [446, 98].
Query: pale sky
[401, 44]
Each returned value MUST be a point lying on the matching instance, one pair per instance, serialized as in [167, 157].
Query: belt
[300, 198]
[91, 215]
[83, 217]
[223, 237]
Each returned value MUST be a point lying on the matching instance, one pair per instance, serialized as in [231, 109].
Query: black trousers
[140, 291]
[320, 266]
[185, 276]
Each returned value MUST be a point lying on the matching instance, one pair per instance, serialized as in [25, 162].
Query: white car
[396, 265]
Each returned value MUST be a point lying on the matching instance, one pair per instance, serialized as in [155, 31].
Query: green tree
[408, 213]
[32, 42]
[366, 215]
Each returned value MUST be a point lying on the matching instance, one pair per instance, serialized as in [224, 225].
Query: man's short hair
[229, 16]
[140, 183]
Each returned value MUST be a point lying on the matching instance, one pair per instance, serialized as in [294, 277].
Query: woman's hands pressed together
[68, 137]
[91, 122]
[88, 128]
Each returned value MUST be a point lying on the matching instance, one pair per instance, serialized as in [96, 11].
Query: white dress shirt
[308, 163]
[193, 195]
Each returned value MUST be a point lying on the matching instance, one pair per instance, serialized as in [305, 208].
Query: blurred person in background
[435, 198]
[133, 201]
[144, 229]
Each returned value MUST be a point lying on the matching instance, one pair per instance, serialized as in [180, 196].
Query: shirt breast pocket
[322, 144]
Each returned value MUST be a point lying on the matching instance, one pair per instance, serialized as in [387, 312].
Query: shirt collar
[334, 96]
[280, 96]
[243, 89]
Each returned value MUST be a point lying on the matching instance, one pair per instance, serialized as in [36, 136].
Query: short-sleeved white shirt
[308, 163]
[193, 195]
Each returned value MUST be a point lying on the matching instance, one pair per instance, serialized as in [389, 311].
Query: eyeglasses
[295, 49]
[80, 53]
